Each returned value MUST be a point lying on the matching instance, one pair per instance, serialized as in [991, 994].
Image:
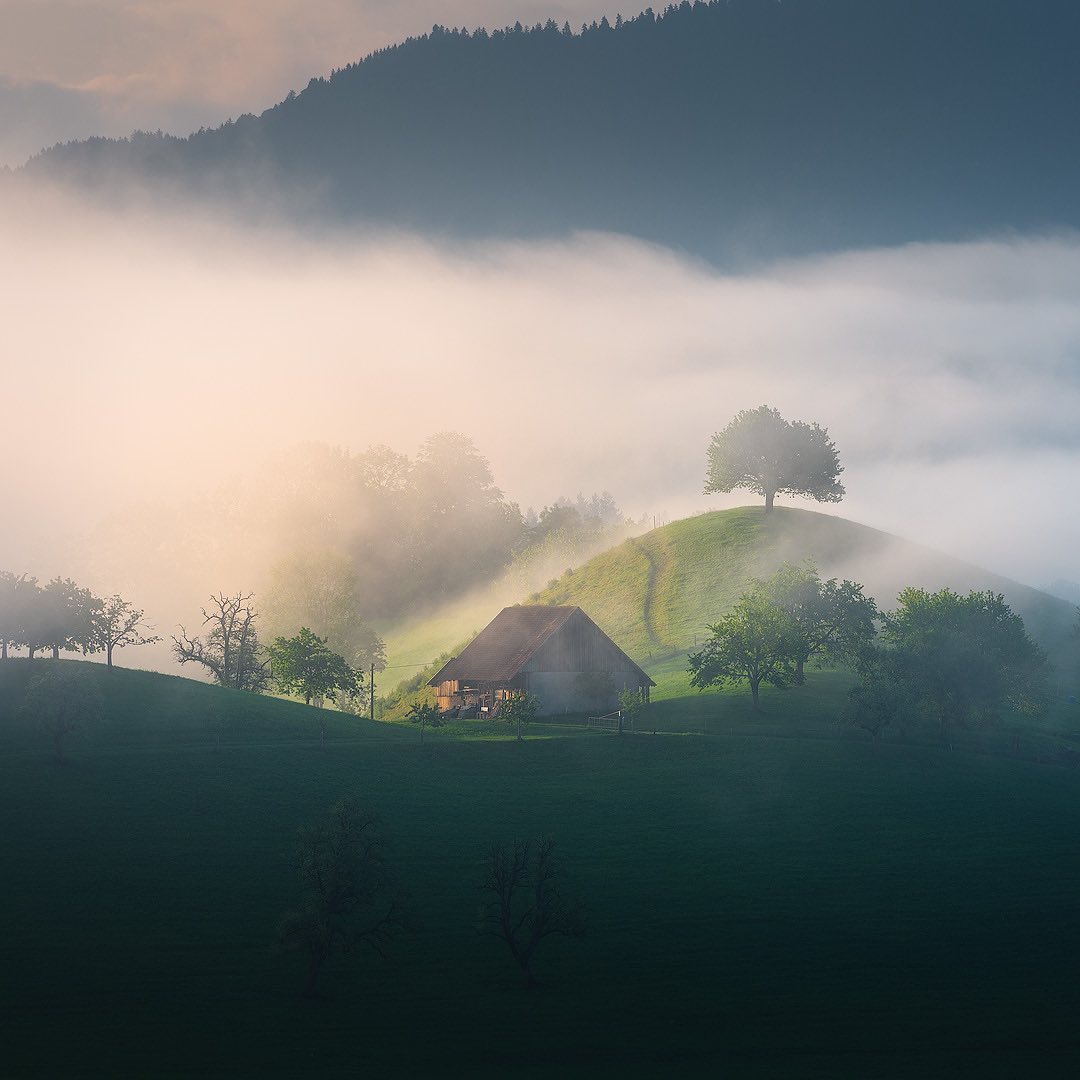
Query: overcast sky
[73, 68]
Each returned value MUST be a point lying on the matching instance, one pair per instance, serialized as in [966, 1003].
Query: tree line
[61, 616]
[938, 656]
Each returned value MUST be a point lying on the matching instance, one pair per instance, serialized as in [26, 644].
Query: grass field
[774, 898]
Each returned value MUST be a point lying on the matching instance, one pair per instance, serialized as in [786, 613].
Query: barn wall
[577, 646]
[560, 691]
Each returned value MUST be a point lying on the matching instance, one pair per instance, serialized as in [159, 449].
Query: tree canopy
[305, 665]
[755, 641]
[963, 659]
[768, 455]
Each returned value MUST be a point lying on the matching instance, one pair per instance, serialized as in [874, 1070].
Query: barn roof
[508, 642]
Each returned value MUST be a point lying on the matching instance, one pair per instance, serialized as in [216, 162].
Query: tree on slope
[343, 876]
[768, 455]
[832, 620]
[17, 599]
[963, 659]
[755, 641]
[526, 903]
[62, 699]
[231, 650]
[116, 624]
[305, 665]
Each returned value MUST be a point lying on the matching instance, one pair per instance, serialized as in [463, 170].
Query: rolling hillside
[735, 129]
[781, 906]
[656, 594]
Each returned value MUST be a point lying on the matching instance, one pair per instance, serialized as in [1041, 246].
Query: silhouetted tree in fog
[764, 453]
[230, 650]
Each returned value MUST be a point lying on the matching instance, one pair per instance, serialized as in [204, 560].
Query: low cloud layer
[74, 68]
[152, 360]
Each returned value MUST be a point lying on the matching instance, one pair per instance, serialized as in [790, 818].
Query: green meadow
[766, 896]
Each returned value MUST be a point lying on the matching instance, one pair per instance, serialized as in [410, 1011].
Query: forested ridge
[732, 128]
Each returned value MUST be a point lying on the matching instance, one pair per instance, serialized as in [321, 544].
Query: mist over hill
[734, 129]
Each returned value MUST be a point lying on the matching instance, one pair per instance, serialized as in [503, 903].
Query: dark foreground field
[757, 906]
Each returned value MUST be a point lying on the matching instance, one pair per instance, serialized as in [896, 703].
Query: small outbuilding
[556, 653]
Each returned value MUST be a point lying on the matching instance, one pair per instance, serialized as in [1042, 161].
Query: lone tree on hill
[305, 665]
[526, 905]
[343, 876]
[764, 453]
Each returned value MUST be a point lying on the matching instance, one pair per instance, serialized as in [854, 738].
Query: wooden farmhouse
[557, 653]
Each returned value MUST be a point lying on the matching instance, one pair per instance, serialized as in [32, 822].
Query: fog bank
[151, 360]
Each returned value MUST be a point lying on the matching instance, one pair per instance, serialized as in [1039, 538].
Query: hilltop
[734, 129]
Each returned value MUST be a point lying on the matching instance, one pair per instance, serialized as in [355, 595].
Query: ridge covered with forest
[733, 128]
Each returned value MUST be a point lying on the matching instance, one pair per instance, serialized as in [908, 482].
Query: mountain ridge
[733, 129]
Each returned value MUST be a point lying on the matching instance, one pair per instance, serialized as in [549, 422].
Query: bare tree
[343, 874]
[117, 624]
[526, 905]
[230, 651]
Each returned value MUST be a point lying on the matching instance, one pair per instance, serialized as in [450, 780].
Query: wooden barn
[557, 653]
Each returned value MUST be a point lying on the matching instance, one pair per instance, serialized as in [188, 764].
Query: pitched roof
[507, 644]
[504, 646]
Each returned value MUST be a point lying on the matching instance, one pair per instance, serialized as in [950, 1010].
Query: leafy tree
[305, 665]
[321, 590]
[62, 699]
[878, 702]
[962, 658]
[526, 904]
[18, 595]
[116, 624]
[343, 877]
[631, 705]
[755, 641]
[832, 621]
[231, 650]
[520, 710]
[426, 715]
[768, 455]
[65, 617]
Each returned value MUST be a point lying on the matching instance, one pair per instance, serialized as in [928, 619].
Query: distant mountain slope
[734, 128]
[658, 591]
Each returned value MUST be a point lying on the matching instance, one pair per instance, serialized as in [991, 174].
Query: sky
[156, 358]
[75, 68]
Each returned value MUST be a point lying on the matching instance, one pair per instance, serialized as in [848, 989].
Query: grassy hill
[655, 594]
[757, 906]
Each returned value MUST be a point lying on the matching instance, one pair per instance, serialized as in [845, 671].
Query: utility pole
[371, 691]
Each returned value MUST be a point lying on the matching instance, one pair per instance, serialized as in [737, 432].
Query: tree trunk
[108, 655]
[3, 649]
[30, 650]
[769, 497]
[754, 684]
[799, 678]
[56, 652]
